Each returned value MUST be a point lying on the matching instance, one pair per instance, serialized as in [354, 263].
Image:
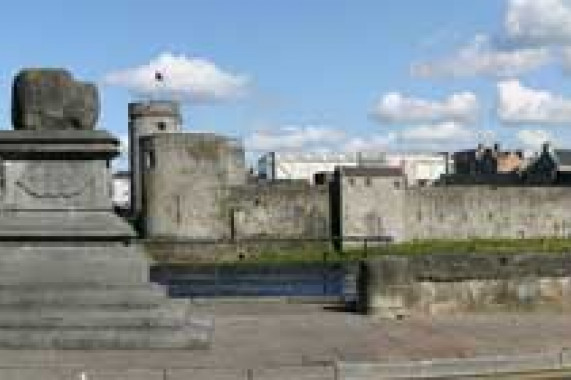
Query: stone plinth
[69, 276]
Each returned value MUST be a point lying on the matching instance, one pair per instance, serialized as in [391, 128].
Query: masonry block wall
[371, 203]
[148, 118]
[450, 283]
[281, 210]
[186, 179]
[463, 212]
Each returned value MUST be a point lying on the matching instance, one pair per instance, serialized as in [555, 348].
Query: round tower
[145, 119]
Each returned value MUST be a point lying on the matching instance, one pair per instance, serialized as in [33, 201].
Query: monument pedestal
[69, 276]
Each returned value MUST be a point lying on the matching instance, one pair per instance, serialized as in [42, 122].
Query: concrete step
[94, 270]
[91, 338]
[41, 308]
[46, 263]
[168, 316]
[67, 296]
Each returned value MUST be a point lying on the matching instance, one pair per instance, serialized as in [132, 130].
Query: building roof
[563, 156]
[362, 171]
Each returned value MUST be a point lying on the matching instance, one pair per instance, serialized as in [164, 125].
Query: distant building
[486, 166]
[274, 166]
[420, 169]
[121, 190]
[510, 162]
[551, 166]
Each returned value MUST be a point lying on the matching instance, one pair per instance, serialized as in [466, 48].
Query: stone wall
[378, 207]
[371, 204]
[280, 210]
[186, 179]
[393, 286]
[462, 212]
[145, 119]
[192, 251]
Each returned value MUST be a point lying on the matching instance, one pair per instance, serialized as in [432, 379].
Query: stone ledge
[69, 144]
[451, 368]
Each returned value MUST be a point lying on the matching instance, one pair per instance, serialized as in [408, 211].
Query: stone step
[72, 263]
[167, 316]
[91, 338]
[132, 296]
[41, 307]
[104, 272]
[62, 251]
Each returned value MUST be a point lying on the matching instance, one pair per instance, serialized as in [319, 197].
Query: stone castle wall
[463, 212]
[281, 210]
[195, 189]
[372, 206]
[185, 180]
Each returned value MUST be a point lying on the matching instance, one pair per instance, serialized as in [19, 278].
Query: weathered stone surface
[393, 286]
[89, 295]
[177, 162]
[50, 99]
[69, 277]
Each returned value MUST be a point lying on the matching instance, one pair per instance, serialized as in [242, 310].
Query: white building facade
[121, 190]
[420, 169]
[274, 166]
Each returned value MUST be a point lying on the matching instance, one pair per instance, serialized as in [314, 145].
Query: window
[397, 184]
[368, 181]
[162, 126]
[150, 160]
[351, 181]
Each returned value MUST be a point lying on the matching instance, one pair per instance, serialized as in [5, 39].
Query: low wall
[396, 286]
[212, 251]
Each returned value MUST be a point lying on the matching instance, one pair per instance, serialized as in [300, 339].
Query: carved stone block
[50, 99]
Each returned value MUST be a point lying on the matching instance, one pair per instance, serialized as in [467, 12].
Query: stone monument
[70, 275]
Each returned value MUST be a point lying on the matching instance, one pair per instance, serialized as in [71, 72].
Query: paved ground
[249, 335]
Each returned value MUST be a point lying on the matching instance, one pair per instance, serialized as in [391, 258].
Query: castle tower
[146, 119]
[186, 179]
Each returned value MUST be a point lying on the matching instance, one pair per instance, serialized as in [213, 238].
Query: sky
[314, 75]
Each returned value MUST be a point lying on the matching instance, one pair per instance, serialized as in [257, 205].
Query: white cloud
[446, 132]
[194, 80]
[321, 138]
[533, 138]
[396, 108]
[481, 58]
[521, 105]
[539, 22]
[294, 138]
[372, 143]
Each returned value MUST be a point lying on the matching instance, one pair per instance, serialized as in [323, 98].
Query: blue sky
[315, 74]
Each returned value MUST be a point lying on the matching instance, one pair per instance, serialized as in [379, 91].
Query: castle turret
[146, 119]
